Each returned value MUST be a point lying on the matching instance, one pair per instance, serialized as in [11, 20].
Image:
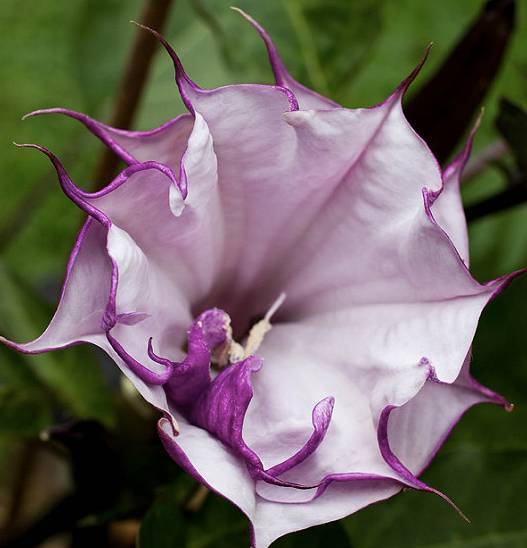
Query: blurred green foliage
[72, 54]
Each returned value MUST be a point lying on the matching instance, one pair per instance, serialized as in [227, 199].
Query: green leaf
[484, 483]
[101, 42]
[164, 525]
[24, 413]
[512, 124]
[16, 372]
[322, 536]
[324, 44]
[72, 375]
[218, 524]
[336, 37]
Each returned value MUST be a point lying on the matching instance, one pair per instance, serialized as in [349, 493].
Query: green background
[72, 54]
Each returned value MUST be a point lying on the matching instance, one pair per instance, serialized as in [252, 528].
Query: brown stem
[21, 465]
[445, 106]
[154, 15]
[512, 196]
[196, 499]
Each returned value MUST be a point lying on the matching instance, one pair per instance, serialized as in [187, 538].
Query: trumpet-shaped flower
[287, 281]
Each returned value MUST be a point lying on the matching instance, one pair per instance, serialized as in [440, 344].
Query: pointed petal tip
[447, 499]
[42, 149]
[182, 79]
[261, 31]
[280, 73]
[405, 84]
[475, 127]
[248, 18]
[240, 11]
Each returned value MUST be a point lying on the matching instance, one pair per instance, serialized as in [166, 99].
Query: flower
[329, 243]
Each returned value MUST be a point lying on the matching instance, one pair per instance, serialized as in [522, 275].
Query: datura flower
[287, 281]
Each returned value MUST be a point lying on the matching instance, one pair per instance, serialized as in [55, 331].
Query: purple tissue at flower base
[287, 281]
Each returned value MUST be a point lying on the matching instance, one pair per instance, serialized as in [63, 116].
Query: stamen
[256, 334]
[275, 306]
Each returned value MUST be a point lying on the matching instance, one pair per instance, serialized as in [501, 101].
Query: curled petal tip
[47, 152]
[280, 73]
[252, 21]
[24, 145]
[37, 112]
[245, 15]
[182, 79]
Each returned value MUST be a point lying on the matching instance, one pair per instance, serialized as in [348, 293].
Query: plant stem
[512, 196]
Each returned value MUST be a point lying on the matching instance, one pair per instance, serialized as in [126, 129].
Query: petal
[209, 462]
[273, 520]
[418, 429]
[221, 409]
[212, 464]
[290, 384]
[321, 418]
[109, 277]
[159, 212]
[398, 333]
[289, 189]
[191, 378]
[447, 205]
[153, 394]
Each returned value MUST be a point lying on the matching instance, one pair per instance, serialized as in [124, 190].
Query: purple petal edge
[398, 467]
[178, 455]
[321, 417]
[281, 74]
[101, 130]
[69, 267]
[145, 374]
[182, 79]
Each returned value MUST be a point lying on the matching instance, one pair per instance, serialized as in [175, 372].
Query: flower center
[232, 351]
